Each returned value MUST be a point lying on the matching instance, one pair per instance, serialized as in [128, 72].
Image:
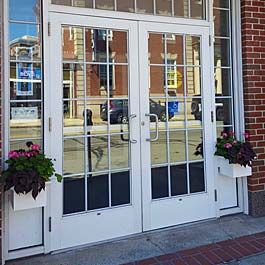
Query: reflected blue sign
[173, 108]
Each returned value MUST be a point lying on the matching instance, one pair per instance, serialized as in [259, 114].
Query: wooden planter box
[26, 201]
[232, 170]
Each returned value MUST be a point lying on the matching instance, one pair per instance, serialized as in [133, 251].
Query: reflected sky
[20, 30]
[23, 10]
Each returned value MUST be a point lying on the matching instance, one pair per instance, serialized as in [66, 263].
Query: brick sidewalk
[217, 253]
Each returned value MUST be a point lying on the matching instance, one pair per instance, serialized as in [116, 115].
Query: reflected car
[196, 108]
[118, 111]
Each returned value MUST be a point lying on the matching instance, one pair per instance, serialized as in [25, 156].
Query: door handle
[132, 116]
[156, 120]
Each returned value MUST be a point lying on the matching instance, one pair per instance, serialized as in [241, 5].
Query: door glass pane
[62, 2]
[175, 79]
[178, 176]
[105, 4]
[176, 112]
[164, 7]
[156, 48]
[222, 52]
[125, 5]
[175, 48]
[73, 194]
[73, 81]
[197, 9]
[119, 146]
[118, 46]
[21, 144]
[181, 8]
[193, 76]
[157, 81]
[193, 50]
[197, 180]
[73, 43]
[194, 112]
[177, 145]
[159, 182]
[224, 114]
[74, 156]
[145, 7]
[73, 113]
[223, 82]
[222, 23]
[159, 149]
[97, 191]
[120, 196]
[119, 76]
[83, 3]
[195, 145]
[221, 3]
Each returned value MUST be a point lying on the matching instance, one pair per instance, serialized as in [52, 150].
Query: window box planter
[232, 170]
[26, 201]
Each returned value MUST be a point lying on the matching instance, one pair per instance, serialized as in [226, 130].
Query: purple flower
[234, 142]
[224, 134]
[246, 135]
[227, 145]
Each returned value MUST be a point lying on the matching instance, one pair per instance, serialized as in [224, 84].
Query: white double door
[130, 104]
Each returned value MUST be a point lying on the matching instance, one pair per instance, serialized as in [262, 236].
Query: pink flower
[227, 145]
[224, 134]
[246, 135]
[35, 147]
[13, 154]
[234, 142]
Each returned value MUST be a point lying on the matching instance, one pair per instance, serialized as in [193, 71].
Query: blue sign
[173, 108]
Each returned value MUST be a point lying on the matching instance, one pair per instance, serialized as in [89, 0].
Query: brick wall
[253, 37]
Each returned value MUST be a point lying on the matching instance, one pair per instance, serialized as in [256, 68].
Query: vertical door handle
[156, 120]
[132, 116]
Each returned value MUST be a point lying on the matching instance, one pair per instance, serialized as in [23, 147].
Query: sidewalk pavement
[237, 239]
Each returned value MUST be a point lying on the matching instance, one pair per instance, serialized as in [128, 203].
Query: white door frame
[209, 211]
[58, 221]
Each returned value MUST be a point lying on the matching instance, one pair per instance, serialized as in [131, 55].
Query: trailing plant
[28, 170]
[237, 152]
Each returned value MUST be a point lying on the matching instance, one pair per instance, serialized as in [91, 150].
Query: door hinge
[210, 40]
[212, 116]
[50, 224]
[50, 124]
[49, 28]
[215, 195]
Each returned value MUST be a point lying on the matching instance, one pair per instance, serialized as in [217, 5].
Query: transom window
[178, 8]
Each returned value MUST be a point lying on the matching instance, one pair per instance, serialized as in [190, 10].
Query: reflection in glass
[97, 153]
[178, 176]
[105, 4]
[74, 156]
[156, 49]
[119, 79]
[97, 116]
[197, 180]
[97, 191]
[96, 45]
[175, 78]
[157, 81]
[158, 107]
[73, 81]
[175, 48]
[118, 46]
[193, 50]
[223, 82]
[120, 188]
[146, 6]
[24, 42]
[224, 111]
[193, 81]
[164, 7]
[159, 149]
[73, 43]
[73, 195]
[25, 120]
[119, 148]
[26, 10]
[181, 8]
[221, 22]
[159, 182]
[176, 112]
[177, 146]
[125, 5]
[21, 144]
[62, 2]
[195, 139]
[73, 112]
[197, 9]
[221, 3]
[194, 111]
[83, 3]
[221, 52]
